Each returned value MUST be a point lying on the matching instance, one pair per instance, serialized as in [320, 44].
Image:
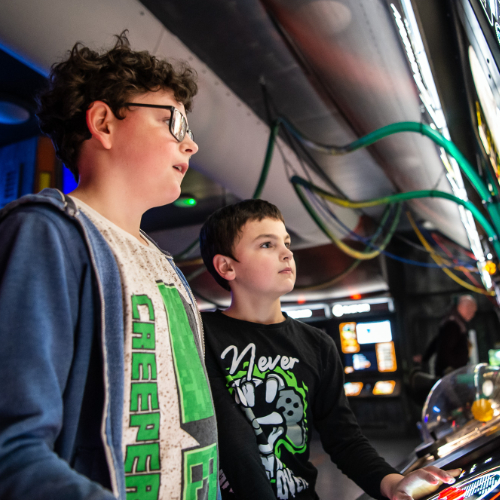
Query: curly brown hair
[113, 77]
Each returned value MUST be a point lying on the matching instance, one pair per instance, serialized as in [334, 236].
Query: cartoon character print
[275, 409]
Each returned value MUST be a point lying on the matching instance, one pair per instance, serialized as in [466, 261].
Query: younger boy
[274, 378]
[104, 390]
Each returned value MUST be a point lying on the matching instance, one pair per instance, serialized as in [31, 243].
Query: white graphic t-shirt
[169, 433]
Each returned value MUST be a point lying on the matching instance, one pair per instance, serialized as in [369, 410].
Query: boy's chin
[165, 199]
[287, 289]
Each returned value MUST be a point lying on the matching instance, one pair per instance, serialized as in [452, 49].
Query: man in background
[451, 345]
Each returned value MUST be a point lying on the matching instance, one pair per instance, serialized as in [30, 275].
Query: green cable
[411, 195]
[267, 159]
[394, 128]
[371, 138]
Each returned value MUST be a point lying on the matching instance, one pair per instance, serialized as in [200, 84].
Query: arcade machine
[481, 22]
[367, 342]
[461, 429]
[370, 358]
[461, 416]
[371, 364]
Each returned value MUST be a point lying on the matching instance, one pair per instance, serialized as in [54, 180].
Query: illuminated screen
[491, 10]
[348, 341]
[494, 357]
[367, 346]
[353, 388]
[384, 387]
[372, 333]
[362, 361]
[386, 357]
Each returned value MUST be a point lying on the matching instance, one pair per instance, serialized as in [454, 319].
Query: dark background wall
[423, 296]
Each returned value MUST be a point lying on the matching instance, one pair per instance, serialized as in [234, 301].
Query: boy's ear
[224, 266]
[99, 116]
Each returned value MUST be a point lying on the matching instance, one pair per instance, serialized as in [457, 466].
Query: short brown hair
[113, 77]
[221, 230]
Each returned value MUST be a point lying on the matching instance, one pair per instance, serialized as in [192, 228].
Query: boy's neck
[255, 310]
[112, 206]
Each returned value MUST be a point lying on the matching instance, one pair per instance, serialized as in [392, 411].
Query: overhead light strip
[422, 74]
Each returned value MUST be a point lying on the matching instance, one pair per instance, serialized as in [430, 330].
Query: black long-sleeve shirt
[271, 384]
[452, 350]
[451, 345]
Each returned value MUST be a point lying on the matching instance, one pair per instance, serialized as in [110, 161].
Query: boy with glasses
[274, 378]
[105, 392]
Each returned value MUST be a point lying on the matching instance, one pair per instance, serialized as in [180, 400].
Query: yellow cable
[440, 261]
[356, 254]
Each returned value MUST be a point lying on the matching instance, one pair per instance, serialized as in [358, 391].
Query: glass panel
[463, 405]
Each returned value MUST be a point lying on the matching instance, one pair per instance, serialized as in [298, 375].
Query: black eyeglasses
[178, 123]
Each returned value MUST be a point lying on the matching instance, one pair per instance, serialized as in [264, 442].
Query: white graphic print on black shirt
[274, 403]
[271, 384]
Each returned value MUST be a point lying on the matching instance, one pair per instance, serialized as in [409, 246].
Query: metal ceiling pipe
[353, 52]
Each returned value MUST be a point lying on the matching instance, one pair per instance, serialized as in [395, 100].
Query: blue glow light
[68, 181]
[12, 114]
[25, 60]
[436, 409]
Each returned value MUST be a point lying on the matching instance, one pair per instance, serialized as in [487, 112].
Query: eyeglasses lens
[178, 125]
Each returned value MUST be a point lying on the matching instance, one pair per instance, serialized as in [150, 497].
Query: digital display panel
[367, 346]
[372, 333]
[386, 357]
[384, 387]
[365, 361]
[348, 339]
[353, 388]
[481, 20]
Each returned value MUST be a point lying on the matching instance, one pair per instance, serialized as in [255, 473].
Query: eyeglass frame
[172, 109]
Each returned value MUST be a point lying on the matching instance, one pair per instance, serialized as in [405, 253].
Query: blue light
[436, 409]
[13, 114]
[31, 64]
[68, 181]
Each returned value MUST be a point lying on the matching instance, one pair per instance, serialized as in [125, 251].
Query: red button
[452, 493]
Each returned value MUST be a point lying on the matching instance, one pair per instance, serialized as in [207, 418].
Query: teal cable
[394, 128]
[275, 127]
[375, 136]
[260, 184]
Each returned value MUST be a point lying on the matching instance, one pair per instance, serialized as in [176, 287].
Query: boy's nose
[189, 146]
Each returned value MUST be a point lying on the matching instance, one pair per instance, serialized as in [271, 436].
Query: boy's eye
[267, 244]
[287, 244]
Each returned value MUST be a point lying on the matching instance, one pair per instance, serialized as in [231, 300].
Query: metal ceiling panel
[231, 137]
[349, 76]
